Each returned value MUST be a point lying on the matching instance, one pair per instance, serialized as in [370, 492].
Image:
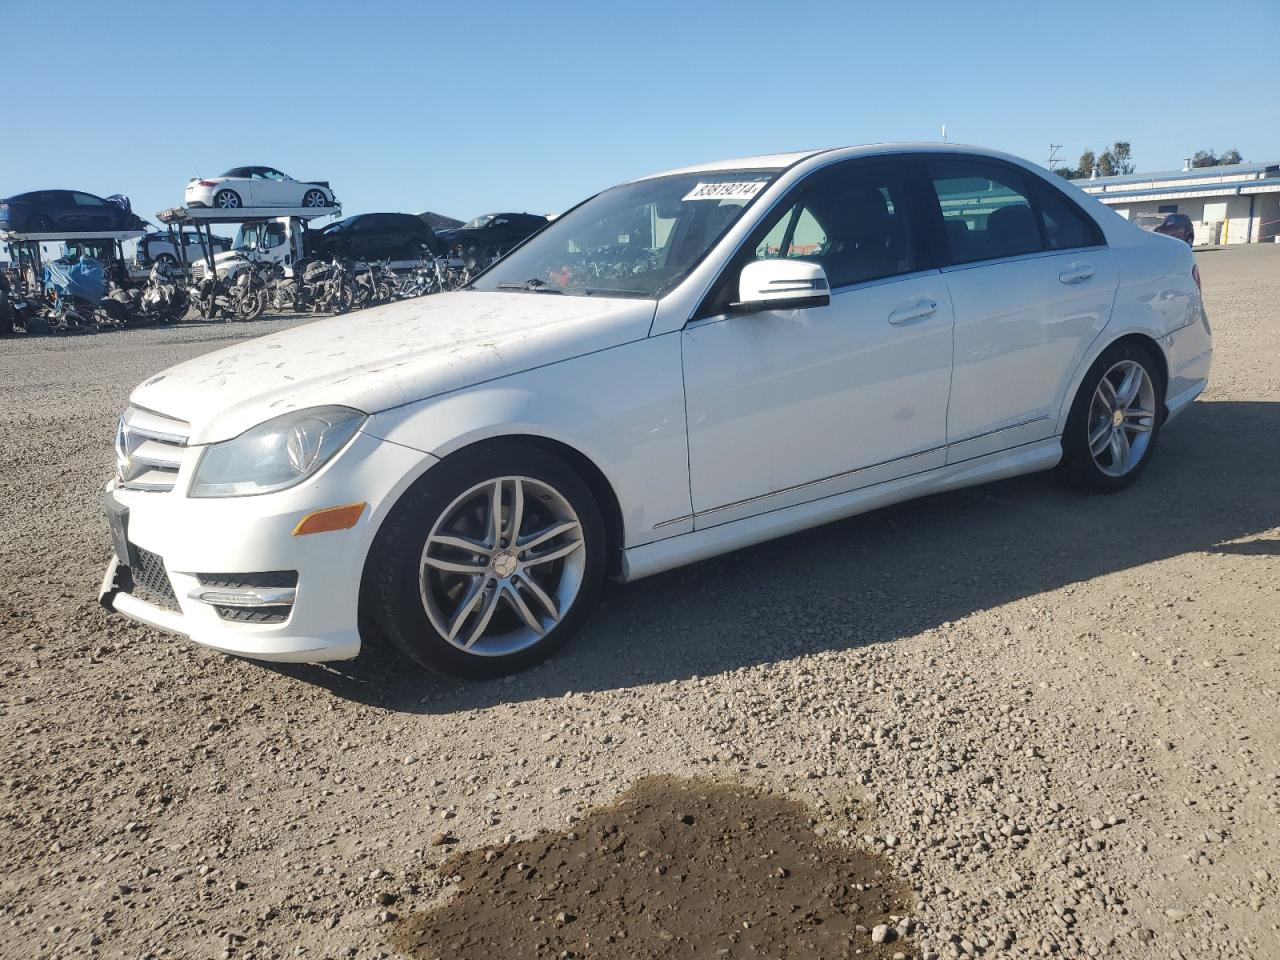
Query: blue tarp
[85, 279]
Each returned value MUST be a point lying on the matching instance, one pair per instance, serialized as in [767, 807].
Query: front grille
[149, 450]
[243, 581]
[198, 270]
[150, 581]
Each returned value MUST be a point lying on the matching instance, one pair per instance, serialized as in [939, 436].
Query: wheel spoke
[1107, 394]
[1138, 420]
[516, 516]
[473, 547]
[1119, 446]
[1100, 437]
[482, 622]
[495, 514]
[456, 566]
[555, 554]
[1127, 392]
[550, 533]
[464, 609]
[526, 581]
[517, 603]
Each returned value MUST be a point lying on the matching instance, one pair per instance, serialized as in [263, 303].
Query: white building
[1239, 203]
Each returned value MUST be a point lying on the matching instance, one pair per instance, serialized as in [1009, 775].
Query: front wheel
[1114, 420]
[252, 304]
[489, 563]
[315, 198]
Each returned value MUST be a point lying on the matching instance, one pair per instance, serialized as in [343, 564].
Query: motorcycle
[244, 297]
[375, 284]
[250, 291]
[334, 291]
[163, 299]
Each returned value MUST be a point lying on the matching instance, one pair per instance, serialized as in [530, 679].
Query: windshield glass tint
[637, 240]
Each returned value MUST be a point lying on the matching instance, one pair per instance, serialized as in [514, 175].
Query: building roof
[1233, 170]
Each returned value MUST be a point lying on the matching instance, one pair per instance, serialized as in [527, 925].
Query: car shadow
[884, 575]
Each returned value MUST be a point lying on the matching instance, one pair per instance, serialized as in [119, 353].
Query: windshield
[251, 236]
[475, 223]
[636, 240]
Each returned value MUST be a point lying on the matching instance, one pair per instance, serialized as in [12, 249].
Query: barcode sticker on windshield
[737, 190]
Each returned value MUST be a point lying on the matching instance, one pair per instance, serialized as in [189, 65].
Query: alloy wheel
[1122, 416]
[227, 200]
[313, 198]
[502, 566]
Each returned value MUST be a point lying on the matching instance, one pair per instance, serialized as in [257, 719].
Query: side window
[854, 219]
[1066, 226]
[85, 200]
[985, 208]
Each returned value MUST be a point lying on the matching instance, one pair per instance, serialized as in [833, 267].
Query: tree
[1207, 158]
[1087, 163]
[1120, 157]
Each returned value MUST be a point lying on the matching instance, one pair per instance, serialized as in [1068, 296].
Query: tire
[1110, 437]
[168, 260]
[414, 602]
[315, 198]
[39, 224]
[227, 200]
[474, 258]
[253, 304]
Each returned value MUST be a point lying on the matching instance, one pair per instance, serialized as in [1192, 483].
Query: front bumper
[228, 537]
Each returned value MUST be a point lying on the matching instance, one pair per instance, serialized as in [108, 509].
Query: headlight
[275, 455]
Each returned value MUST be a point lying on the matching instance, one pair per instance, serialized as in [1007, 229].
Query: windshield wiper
[533, 284]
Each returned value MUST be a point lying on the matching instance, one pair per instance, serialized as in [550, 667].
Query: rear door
[92, 213]
[1032, 284]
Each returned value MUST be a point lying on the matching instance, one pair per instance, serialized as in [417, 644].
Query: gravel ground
[1055, 716]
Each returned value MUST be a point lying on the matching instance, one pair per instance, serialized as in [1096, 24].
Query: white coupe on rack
[257, 187]
[677, 367]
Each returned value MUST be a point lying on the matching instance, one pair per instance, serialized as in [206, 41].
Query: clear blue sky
[463, 107]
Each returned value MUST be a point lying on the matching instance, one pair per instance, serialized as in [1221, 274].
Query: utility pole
[1053, 155]
[944, 133]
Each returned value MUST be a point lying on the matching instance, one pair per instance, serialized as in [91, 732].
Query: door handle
[1076, 275]
[916, 311]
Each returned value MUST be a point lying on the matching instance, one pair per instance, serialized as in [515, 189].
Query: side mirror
[781, 285]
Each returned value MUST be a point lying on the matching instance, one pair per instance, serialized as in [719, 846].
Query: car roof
[780, 161]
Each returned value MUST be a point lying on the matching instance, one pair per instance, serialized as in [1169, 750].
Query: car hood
[387, 356]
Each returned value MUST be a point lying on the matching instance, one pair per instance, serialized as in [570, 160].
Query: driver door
[788, 406]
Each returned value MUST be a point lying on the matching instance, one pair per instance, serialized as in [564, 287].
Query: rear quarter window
[1066, 226]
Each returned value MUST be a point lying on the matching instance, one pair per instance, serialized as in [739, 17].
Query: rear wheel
[226, 200]
[39, 224]
[1114, 420]
[490, 562]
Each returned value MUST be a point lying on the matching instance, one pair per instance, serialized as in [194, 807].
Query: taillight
[1195, 275]
[208, 183]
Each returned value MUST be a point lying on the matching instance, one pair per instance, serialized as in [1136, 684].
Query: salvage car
[374, 236]
[489, 235]
[50, 211]
[157, 247]
[1170, 224]
[257, 187]
[680, 366]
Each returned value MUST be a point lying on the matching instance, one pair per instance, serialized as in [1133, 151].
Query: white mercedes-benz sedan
[677, 367]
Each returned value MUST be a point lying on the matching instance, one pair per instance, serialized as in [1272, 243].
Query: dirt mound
[674, 868]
